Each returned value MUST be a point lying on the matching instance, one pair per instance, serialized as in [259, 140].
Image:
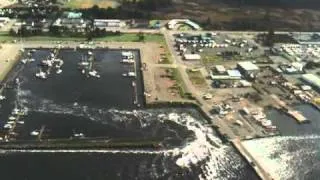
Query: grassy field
[81, 4]
[196, 77]
[125, 37]
[175, 75]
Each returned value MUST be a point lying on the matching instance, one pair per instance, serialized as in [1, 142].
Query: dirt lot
[4, 3]
[9, 55]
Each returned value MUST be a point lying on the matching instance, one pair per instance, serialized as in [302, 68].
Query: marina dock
[297, 116]
[283, 107]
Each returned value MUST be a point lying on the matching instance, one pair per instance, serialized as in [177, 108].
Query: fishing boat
[20, 122]
[94, 73]
[15, 111]
[24, 61]
[11, 118]
[131, 74]
[83, 63]
[41, 75]
[59, 71]
[34, 133]
[129, 61]
[78, 135]
[2, 97]
[7, 126]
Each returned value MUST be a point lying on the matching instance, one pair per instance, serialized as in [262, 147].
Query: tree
[270, 37]
[141, 36]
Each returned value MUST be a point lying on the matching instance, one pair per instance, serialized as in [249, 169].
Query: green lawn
[133, 37]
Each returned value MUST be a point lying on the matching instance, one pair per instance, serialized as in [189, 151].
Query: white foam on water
[284, 157]
[205, 150]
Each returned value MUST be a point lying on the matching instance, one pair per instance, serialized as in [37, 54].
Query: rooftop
[312, 79]
[248, 66]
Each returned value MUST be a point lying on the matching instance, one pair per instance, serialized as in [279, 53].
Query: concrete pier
[251, 160]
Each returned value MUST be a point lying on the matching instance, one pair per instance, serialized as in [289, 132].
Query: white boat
[83, 71]
[34, 133]
[17, 80]
[131, 74]
[7, 126]
[59, 71]
[10, 122]
[15, 111]
[129, 61]
[127, 55]
[24, 61]
[11, 118]
[41, 75]
[31, 60]
[94, 73]
[89, 53]
[78, 135]
[2, 97]
[84, 63]
[125, 74]
[133, 84]
[20, 122]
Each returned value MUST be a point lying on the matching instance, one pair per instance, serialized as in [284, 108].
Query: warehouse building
[248, 69]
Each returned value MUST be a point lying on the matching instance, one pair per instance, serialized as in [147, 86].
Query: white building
[191, 57]
[247, 68]
[108, 23]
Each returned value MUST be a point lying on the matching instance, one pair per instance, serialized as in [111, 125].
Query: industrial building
[108, 23]
[313, 80]
[247, 68]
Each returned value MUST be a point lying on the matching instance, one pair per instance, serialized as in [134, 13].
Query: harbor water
[70, 103]
[295, 154]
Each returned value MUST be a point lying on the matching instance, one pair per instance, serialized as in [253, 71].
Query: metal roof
[248, 66]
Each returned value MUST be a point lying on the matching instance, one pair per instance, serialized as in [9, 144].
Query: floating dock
[297, 116]
[282, 106]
